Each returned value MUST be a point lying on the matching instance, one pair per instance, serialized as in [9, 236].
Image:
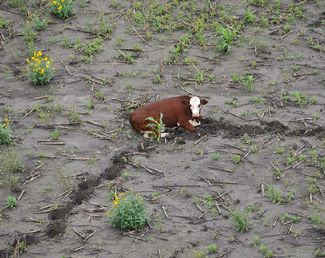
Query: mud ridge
[230, 129]
[83, 192]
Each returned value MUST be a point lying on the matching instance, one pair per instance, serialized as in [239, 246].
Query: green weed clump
[246, 81]
[62, 8]
[11, 201]
[156, 128]
[39, 23]
[40, 68]
[5, 133]
[10, 165]
[129, 212]
[298, 98]
[277, 196]
[240, 220]
[225, 36]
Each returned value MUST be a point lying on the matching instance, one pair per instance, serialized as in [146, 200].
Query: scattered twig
[198, 207]
[21, 195]
[32, 178]
[66, 68]
[90, 235]
[203, 137]
[165, 213]
[79, 233]
[262, 190]
[94, 123]
[150, 170]
[79, 248]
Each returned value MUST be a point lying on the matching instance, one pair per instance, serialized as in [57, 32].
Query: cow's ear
[185, 102]
[203, 101]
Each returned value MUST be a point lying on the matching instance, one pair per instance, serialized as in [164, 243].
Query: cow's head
[195, 105]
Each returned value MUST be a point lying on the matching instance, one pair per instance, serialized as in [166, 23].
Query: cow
[181, 111]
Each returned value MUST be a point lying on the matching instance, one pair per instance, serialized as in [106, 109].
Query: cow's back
[171, 108]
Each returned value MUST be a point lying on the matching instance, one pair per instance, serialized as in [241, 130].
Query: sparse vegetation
[11, 202]
[240, 219]
[256, 162]
[246, 81]
[10, 165]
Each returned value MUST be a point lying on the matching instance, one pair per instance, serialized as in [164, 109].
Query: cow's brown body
[175, 110]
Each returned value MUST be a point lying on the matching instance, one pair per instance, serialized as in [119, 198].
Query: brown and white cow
[181, 111]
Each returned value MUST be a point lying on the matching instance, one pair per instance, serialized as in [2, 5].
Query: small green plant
[157, 79]
[277, 196]
[62, 8]
[240, 220]
[267, 252]
[286, 218]
[129, 213]
[11, 201]
[274, 194]
[252, 207]
[258, 3]
[318, 221]
[277, 172]
[236, 158]
[319, 252]
[249, 17]
[225, 36]
[38, 23]
[246, 80]
[29, 33]
[156, 128]
[74, 118]
[212, 248]
[298, 98]
[199, 254]
[99, 95]
[5, 132]
[10, 163]
[215, 156]
[92, 48]
[126, 57]
[55, 135]
[279, 150]
[3, 23]
[40, 69]
[21, 246]
[182, 46]
[103, 30]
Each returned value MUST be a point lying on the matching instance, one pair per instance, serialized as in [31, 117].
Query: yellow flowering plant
[62, 8]
[128, 212]
[40, 68]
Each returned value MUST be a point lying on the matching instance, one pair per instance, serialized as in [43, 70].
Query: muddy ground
[252, 140]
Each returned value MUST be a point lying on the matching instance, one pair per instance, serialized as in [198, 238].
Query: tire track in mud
[84, 192]
[58, 217]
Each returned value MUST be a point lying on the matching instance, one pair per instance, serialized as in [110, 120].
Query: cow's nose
[196, 115]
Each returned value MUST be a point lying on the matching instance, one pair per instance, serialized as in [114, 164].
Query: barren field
[249, 183]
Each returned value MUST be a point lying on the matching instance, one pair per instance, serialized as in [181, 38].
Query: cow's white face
[195, 105]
